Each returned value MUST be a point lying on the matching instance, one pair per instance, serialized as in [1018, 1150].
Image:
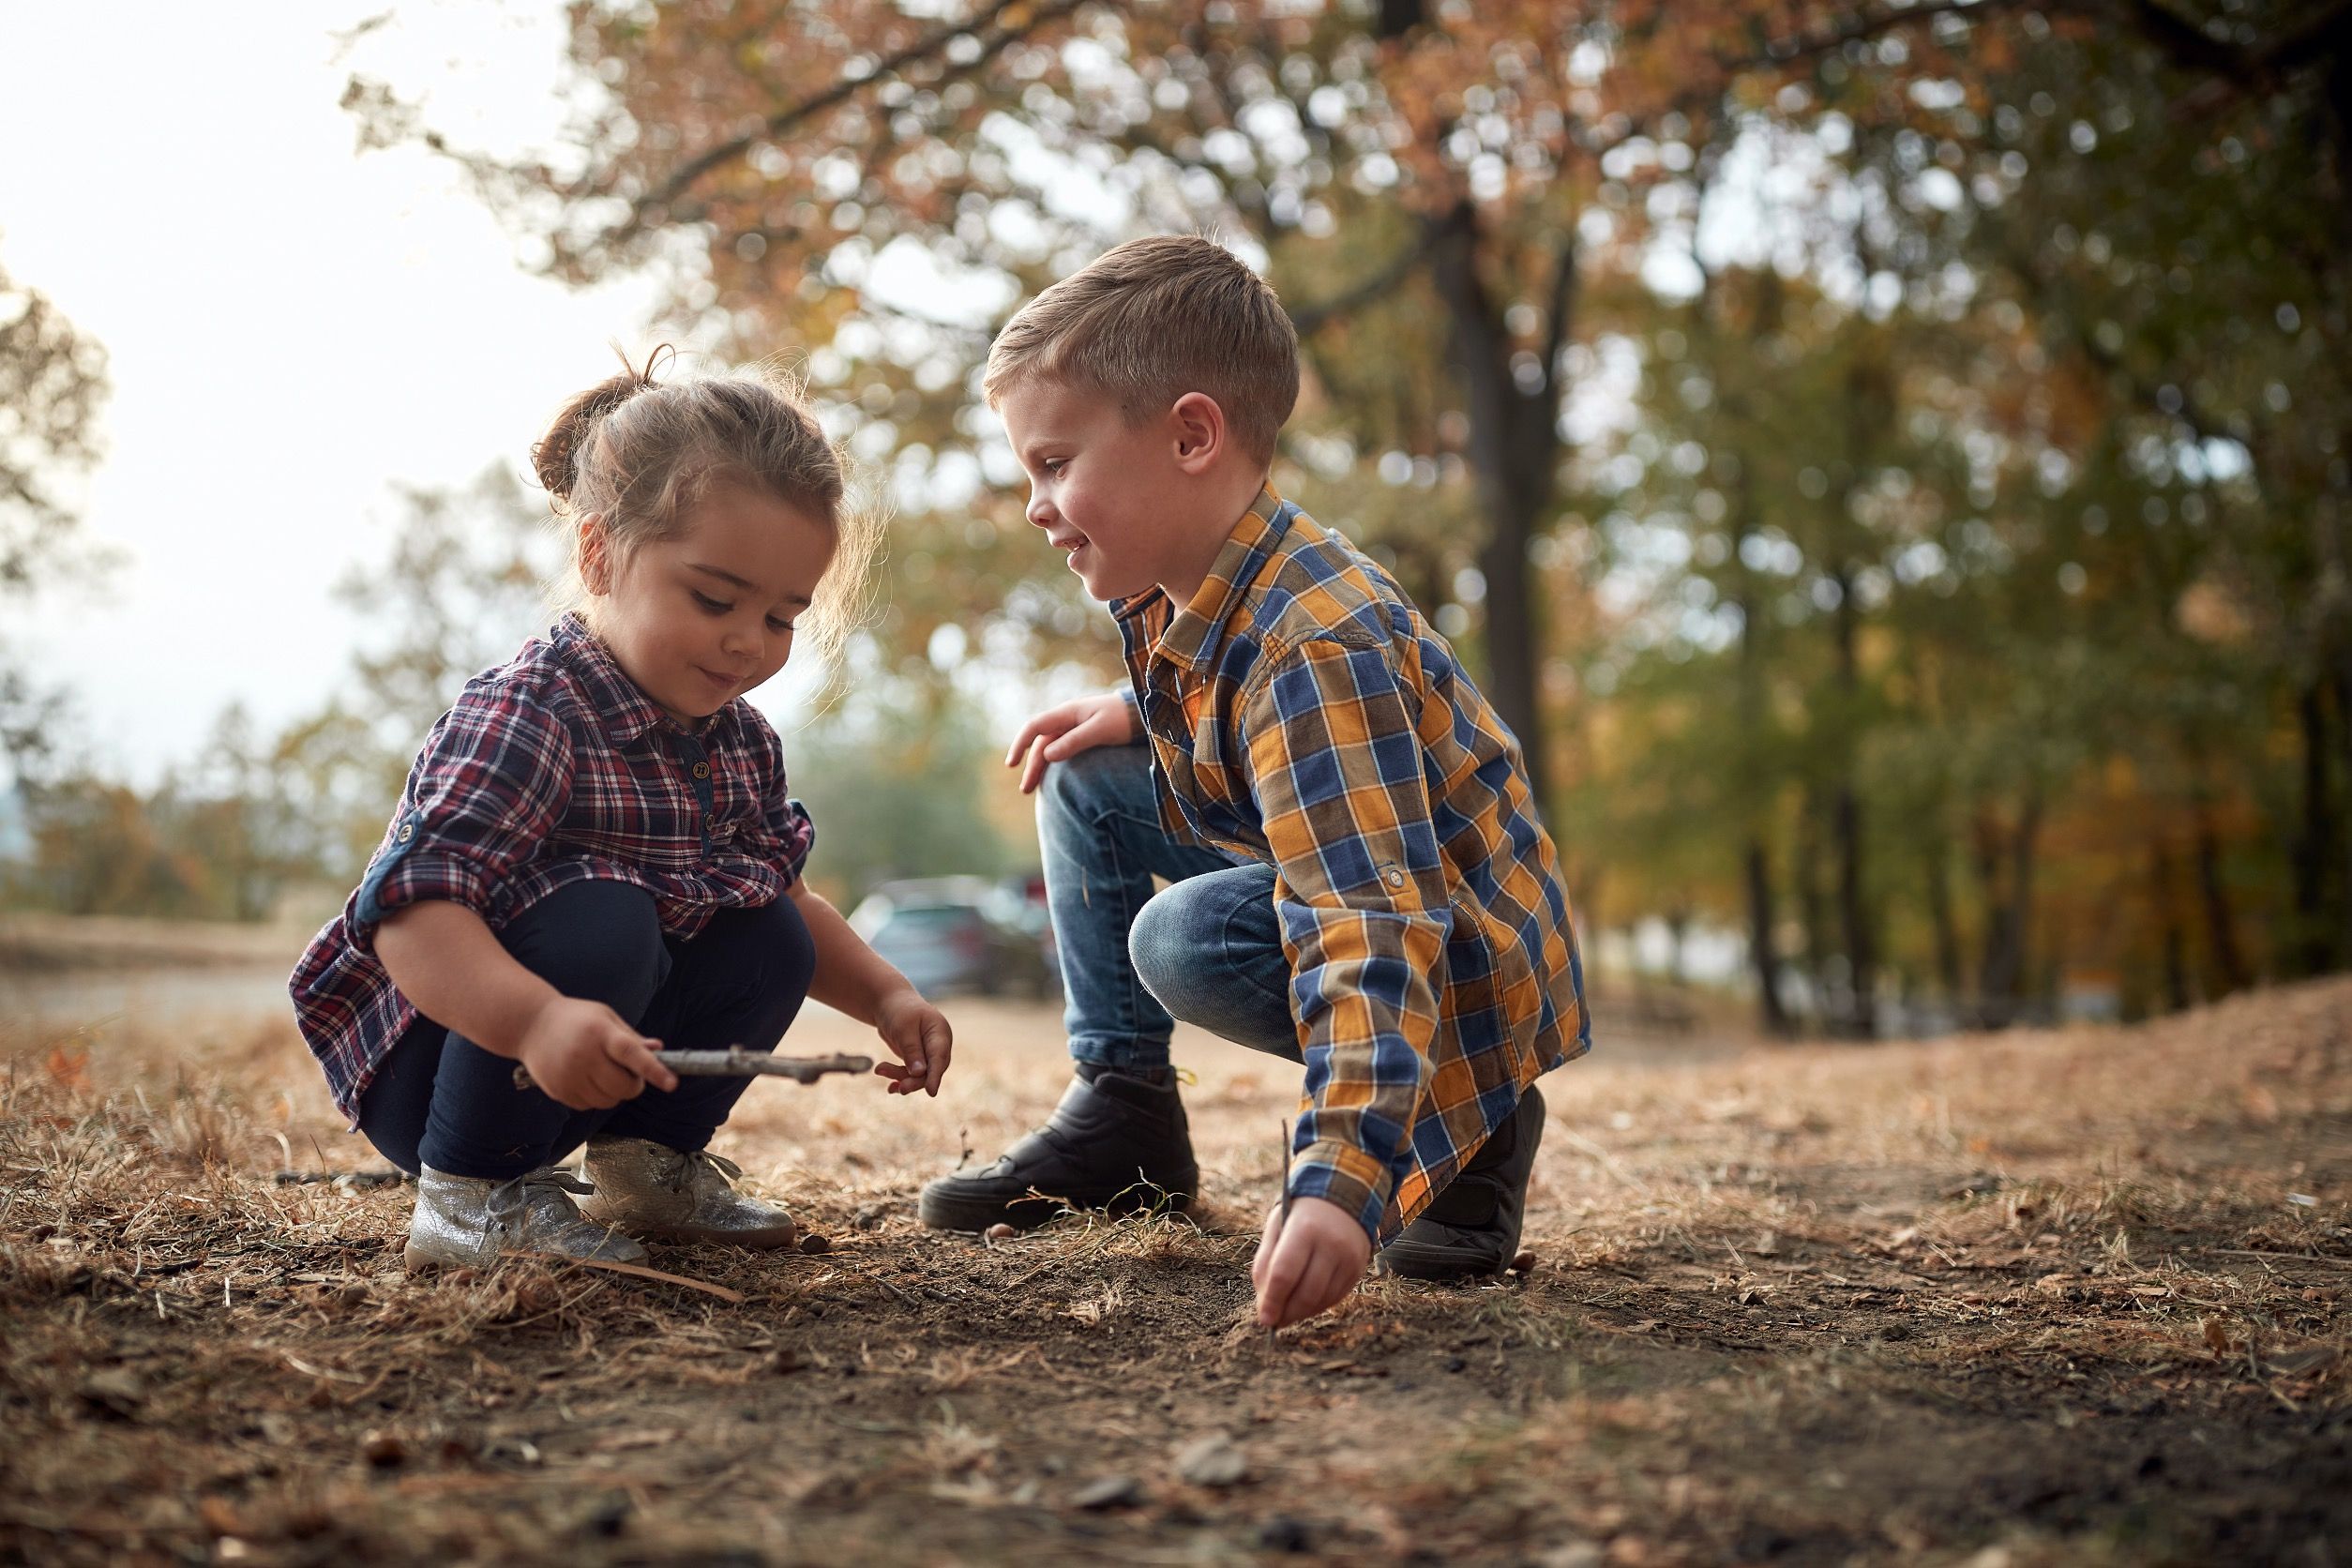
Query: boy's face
[1106, 492]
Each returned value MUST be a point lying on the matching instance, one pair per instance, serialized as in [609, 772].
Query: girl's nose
[1040, 509]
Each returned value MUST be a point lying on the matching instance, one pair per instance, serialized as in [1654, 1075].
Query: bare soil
[2032, 1299]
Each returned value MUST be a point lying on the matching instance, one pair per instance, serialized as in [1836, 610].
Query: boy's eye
[715, 605]
[779, 625]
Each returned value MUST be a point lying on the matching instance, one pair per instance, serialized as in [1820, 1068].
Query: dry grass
[2035, 1299]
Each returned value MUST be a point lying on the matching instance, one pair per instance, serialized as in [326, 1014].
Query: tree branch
[682, 178]
[1402, 265]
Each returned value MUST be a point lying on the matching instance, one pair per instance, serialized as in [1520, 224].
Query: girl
[594, 854]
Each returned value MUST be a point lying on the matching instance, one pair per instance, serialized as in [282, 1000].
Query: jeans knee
[792, 950]
[1173, 956]
[596, 940]
[1080, 789]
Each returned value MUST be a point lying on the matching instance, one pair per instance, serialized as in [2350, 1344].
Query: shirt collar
[1197, 630]
[624, 711]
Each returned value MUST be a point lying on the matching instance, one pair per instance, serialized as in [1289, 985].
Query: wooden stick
[641, 1272]
[735, 1061]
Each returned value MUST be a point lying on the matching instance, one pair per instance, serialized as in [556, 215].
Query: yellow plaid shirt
[1301, 712]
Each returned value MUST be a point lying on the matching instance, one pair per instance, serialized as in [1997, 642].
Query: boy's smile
[701, 618]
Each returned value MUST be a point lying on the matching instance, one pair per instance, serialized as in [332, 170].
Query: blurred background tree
[1889, 463]
[53, 386]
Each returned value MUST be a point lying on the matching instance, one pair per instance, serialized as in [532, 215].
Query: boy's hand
[584, 1055]
[1308, 1264]
[918, 1034]
[1062, 732]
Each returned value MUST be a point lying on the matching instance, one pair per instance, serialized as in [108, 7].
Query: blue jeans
[441, 1100]
[1206, 950]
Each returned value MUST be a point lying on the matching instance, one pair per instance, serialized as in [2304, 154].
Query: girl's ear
[596, 565]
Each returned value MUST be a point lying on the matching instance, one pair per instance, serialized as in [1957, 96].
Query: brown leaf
[2215, 1336]
[619, 1442]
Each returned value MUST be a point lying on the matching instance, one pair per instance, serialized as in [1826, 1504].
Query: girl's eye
[713, 606]
[776, 625]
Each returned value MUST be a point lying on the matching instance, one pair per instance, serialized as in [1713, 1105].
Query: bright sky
[291, 327]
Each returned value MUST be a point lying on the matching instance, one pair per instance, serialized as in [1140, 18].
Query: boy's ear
[596, 565]
[1200, 433]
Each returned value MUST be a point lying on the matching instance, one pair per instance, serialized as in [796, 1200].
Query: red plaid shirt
[554, 769]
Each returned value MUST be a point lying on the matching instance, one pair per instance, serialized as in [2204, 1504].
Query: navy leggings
[441, 1100]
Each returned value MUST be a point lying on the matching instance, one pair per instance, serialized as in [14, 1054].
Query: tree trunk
[2176, 941]
[2343, 732]
[2021, 864]
[1772, 1014]
[1513, 457]
[2313, 854]
[1812, 903]
[2221, 926]
[2001, 966]
[1947, 930]
[1862, 1020]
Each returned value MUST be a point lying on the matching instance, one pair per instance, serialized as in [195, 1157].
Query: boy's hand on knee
[584, 1055]
[1062, 732]
[917, 1033]
[1308, 1263]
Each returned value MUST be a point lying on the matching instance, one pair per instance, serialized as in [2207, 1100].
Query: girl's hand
[918, 1034]
[584, 1055]
[1310, 1264]
[1062, 732]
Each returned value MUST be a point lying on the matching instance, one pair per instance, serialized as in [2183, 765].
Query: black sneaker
[1473, 1225]
[1115, 1143]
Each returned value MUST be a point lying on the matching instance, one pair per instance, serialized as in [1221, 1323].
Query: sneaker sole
[416, 1261]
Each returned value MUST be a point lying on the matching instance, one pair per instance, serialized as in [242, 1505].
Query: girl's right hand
[1063, 732]
[583, 1055]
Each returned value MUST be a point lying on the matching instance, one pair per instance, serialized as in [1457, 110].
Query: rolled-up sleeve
[486, 792]
[1360, 891]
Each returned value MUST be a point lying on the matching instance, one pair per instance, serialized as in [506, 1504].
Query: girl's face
[702, 617]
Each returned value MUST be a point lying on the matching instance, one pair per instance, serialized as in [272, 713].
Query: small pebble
[867, 1218]
[383, 1450]
[1213, 1460]
[1111, 1491]
[1282, 1534]
[1523, 1260]
[1000, 1231]
[814, 1243]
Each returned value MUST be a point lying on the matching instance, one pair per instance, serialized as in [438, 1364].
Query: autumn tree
[53, 384]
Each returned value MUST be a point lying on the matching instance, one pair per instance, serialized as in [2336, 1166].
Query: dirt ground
[2001, 1302]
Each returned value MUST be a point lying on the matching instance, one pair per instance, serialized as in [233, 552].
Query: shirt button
[710, 824]
[1394, 876]
[701, 770]
[408, 831]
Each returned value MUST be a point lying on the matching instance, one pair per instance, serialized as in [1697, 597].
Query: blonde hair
[638, 454]
[1151, 320]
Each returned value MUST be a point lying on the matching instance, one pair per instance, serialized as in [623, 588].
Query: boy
[1361, 882]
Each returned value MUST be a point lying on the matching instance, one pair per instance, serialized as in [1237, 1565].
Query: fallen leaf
[619, 1442]
[2215, 1336]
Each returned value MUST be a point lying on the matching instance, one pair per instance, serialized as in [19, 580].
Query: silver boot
[473, 1220]
[661, 1193]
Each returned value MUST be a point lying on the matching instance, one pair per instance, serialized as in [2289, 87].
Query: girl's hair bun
[555, 456]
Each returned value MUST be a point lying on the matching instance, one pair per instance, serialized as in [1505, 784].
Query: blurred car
[959, 934]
